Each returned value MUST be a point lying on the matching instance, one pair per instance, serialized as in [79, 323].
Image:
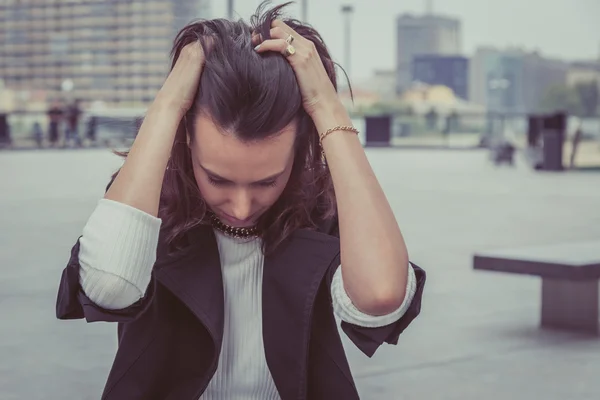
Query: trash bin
[378, 130]
[553, 138]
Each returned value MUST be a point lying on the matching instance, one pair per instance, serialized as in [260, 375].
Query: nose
[241, 204]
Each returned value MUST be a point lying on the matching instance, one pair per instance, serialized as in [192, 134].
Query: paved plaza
[477, 337]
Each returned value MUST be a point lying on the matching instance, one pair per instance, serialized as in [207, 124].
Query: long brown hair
[254, 96]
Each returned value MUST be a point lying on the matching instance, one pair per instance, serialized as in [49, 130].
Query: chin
[227, 220]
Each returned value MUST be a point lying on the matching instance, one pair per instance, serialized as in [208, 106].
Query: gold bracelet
[346, 128]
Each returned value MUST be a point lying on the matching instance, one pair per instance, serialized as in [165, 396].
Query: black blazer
[169, 341]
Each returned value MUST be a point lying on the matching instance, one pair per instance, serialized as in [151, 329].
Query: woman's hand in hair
[180, 88]
[318, 93]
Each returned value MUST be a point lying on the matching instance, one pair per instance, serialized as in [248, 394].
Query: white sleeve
[117, 251]
[346, 311]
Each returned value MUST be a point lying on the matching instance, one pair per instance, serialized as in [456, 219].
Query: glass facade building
[112, 51]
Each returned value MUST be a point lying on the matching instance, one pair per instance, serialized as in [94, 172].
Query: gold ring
[289, 39]
[289, 50]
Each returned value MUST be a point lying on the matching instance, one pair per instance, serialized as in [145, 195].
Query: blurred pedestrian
[92, 126]
[55, 115]
[217, 245]
[38, 134]
[5, 138]
[73, 113]
[575, 143]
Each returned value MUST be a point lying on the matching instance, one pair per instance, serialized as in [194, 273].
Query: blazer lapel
[292, 276]
[291, 279]
[194, 276]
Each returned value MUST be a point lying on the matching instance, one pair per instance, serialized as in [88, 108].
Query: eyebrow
[218, 177]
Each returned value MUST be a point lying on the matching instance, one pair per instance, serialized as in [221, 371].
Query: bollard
[378, 130]
[553, 134]
[534, 125]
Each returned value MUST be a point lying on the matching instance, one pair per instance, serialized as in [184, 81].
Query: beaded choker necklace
[241, 233]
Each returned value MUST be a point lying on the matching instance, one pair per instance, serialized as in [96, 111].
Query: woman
[216, 247]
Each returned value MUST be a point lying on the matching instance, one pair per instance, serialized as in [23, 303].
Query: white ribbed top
[117, 253]
[242, 371]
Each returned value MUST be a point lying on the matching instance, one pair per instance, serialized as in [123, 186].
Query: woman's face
[240, 181]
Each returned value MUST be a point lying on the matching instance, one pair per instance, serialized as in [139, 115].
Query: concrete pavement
[477, 337]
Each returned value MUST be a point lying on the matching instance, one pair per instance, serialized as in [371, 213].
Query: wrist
[168, 107]
[330, 115]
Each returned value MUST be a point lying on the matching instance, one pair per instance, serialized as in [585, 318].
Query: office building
[512, 80]
[116, 52]
[422, 35]
[584, 72]
[449, 71]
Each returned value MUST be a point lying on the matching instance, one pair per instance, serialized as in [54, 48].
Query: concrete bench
[570, 275]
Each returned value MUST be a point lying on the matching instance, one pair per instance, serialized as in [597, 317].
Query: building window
[101, 9]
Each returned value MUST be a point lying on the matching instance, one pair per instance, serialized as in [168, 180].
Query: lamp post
[347, 11]
[230, 10]
[429, 7]
[304, 10]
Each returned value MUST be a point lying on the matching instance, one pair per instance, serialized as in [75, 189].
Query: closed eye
[217, 182]
[222, 182]
[268, 183]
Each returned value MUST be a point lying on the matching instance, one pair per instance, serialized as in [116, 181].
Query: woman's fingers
[278, 45]
[283, 29]
[279, 31]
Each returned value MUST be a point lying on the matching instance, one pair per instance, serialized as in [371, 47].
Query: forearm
[139, 181]
[374, 255]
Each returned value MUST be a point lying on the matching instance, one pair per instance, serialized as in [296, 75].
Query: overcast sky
[561, 28]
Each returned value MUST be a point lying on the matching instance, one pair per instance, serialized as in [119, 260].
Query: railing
[117, 128]
[466, 130]
[32, 130]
